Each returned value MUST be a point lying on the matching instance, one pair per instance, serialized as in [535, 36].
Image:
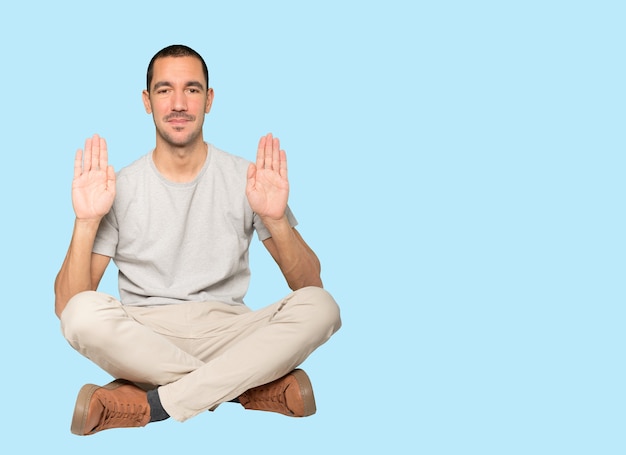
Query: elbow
[58, 309]
[60, 302]
[62, 295]
[65, 287]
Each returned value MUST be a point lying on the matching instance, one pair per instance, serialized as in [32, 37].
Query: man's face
[178, 100]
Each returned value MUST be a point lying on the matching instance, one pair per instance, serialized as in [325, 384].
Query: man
[178, 223]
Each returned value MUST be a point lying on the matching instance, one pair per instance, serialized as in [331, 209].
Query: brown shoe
[119, 404]
[291, 395]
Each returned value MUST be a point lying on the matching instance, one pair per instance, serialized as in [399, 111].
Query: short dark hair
[175, 50]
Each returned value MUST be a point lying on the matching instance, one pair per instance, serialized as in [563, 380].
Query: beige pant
[200, 353]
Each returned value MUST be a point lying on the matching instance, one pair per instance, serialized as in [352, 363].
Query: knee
[323, 308]
[82, 316]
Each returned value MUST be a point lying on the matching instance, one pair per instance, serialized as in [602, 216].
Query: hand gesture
[93, 188]
[268, 188]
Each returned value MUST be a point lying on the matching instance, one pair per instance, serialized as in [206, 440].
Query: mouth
[177, 123]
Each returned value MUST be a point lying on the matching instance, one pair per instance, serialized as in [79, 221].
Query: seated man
[178, 223]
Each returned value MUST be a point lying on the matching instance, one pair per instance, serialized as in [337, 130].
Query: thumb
[110, 175]
[251, 176]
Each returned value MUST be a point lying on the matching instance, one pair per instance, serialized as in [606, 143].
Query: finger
[104, 157]
[95, 152]
[283, 164]
[276, 154]
[269, 144]
[78, 163]
[87, 155]
[110, 177]
[260, 153]
[250, 177]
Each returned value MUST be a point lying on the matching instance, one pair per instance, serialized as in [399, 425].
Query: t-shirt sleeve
[262, 231]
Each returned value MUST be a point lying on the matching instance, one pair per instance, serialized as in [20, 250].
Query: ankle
[157, 411]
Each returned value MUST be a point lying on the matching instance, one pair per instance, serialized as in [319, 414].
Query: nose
[179, 101]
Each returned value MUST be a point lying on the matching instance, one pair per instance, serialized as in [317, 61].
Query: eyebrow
[196, 84]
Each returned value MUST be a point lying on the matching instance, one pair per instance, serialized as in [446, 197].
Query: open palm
[93, 188]
[268, 187]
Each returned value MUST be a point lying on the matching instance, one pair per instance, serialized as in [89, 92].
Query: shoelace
[114, 414]
[270, 398]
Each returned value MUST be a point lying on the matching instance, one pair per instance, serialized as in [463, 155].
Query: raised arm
[93, 192]
[268, 192]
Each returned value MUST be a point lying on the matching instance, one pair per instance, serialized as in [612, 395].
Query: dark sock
[157, 413]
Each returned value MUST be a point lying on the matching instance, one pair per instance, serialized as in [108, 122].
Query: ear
[209, 100]
[146, 101]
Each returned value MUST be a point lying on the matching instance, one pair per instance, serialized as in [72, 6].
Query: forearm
[297, 261]
[75, 274]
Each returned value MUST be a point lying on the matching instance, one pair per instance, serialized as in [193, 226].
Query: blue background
[457, 166]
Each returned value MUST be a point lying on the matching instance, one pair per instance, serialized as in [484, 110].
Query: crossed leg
[200, 354]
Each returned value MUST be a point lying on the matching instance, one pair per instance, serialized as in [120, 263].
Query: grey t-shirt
[177, 242]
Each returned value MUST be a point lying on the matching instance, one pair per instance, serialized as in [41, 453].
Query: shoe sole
[81, 409]
[306, 391]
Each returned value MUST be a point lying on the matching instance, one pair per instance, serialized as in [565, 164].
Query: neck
[180, 164]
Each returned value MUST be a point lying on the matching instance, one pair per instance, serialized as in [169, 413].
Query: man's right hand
[93, 188]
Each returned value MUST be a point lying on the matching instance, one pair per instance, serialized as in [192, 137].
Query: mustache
[180, 115]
